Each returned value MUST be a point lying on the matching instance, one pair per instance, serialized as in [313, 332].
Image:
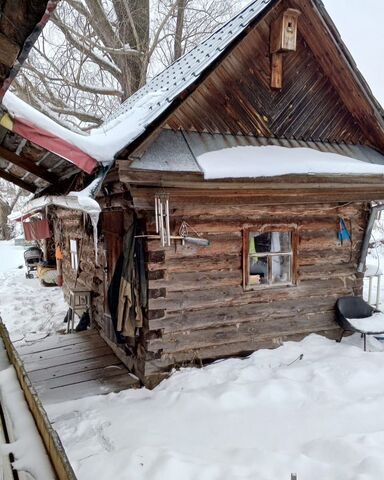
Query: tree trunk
[178, 46]
[133, 26]
[4, 228]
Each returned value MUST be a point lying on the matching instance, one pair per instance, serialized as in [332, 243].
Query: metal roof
[168, 153]
[178, 151]
[184, 72]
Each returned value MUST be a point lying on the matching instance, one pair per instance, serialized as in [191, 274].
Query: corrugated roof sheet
[168, 153]
[177, 151]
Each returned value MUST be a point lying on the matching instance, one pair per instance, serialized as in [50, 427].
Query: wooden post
[277, 71]
[283, 39]
[293, 476]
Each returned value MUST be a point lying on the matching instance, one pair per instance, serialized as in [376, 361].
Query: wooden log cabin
[239, 204]
[275, 78]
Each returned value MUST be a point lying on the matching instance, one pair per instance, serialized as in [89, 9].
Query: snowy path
[261, 418]
[29, 310]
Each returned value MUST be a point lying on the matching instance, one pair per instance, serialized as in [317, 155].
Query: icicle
[95, 220]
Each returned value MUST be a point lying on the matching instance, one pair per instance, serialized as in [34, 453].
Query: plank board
[106, 372]
[66, 359]
[74, 366]
[65, 350]
[86, 389]
[56, 341]
[69, 369]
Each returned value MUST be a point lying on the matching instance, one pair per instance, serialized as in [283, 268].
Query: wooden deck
[69, 367]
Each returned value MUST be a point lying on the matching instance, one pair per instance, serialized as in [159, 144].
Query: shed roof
[179, 152]
[131, 120]
[148, 108]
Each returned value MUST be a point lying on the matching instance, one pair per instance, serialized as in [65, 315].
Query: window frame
[264, 228]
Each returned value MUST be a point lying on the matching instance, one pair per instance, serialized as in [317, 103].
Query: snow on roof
[148, 103]
[272, 161]
[142, 108]
[102, 144]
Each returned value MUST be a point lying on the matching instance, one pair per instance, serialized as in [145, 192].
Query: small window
[269, 258]
[74, 254]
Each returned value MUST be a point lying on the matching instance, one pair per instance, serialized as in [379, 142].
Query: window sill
[269, 287]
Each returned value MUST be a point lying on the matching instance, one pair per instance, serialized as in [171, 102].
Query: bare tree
[10, 195]
[96, 53]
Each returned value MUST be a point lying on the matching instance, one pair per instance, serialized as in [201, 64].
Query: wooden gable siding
[237, 97]
[198, 309]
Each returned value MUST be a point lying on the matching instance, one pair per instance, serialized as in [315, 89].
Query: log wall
[69, 224]
[198, 309]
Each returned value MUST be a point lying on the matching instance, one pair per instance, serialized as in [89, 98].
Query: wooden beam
[9, 51]
[28, 165]
[277, 71]
[17, 181]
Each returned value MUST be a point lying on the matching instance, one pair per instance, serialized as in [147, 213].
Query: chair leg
[365, 342]
[341, 337]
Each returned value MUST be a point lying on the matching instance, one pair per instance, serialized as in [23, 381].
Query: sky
[361, 26]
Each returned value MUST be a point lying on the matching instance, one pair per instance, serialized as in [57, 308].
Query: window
[74, 254]
[269, 257]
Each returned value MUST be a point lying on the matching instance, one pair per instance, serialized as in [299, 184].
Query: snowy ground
[29, 310]
[313, 408]
[261, 418]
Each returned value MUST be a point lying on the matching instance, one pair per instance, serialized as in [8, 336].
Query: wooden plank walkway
[73, 366]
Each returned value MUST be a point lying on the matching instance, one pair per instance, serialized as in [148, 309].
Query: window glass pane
[270, 242]
[260, 243]
[281, 269]
[258, 270]
[73, 245]
[74, 256]
[280, 242]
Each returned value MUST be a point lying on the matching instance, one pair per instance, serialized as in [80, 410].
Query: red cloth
[55, 144]
[37, 230]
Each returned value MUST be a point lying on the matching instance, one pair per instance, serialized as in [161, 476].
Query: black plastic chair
[354, 307]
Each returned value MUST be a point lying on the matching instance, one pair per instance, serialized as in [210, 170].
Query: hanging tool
[344, 233]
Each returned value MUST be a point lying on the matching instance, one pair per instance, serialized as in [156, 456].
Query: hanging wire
[184, 230]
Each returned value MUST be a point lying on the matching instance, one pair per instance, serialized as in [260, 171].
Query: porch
[69, 367]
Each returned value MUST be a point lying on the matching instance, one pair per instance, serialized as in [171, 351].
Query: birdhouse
[284, 32]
